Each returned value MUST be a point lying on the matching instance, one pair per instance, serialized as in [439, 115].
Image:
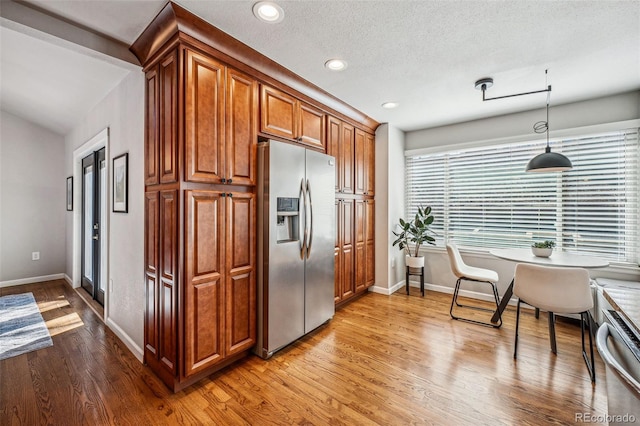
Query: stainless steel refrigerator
[296, 239]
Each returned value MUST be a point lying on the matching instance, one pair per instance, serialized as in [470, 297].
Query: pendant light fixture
[547, 161]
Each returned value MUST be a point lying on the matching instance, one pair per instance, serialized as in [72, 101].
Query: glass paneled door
[94, 202]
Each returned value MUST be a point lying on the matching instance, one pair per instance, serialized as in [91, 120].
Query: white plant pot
[414, 262]
[541, 252]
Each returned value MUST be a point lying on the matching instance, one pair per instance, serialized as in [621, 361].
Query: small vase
[541, 252]
[415, 262]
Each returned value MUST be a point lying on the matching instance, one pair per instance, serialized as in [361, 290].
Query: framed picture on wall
[70, 193]
[121, 183]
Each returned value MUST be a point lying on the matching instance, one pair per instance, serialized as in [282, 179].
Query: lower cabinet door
[204, 288]
[240, 281]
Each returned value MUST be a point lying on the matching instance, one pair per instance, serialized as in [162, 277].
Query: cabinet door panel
[241, 124]
[278, 113]
[151, 274]
[169, 119]
[168, 270]
[204, 264]
[333, 146]
[370, 242]
[240, 288]
[347, 156]
[151, 129]
[311, 126]
[359, 160]
[370, 164]
[360, 256]
[348, 283]
[204, 119]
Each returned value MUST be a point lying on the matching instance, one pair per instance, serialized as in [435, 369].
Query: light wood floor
[388, 360]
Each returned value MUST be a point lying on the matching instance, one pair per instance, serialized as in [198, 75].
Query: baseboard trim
[438, 288]
[126, 339]
[32, 280]
[68, 279]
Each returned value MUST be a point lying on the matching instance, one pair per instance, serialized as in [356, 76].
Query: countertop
[627, 303]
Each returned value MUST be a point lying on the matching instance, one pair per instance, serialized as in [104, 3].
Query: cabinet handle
[229, 195]
[223, 180]
[223, 195]
[229, 180]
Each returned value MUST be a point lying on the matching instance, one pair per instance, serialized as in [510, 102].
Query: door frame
[99, 141]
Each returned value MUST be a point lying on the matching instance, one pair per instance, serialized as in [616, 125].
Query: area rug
[22, 328]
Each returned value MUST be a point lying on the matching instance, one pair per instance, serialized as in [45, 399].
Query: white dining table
[557, 259]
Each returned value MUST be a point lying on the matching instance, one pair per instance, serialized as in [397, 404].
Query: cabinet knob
[229, 195]
[223, 180]
[229, 180]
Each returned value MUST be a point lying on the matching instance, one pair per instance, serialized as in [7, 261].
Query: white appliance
[296, 240]
[619, 346]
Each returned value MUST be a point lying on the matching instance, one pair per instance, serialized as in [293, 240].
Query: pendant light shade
[549, 162]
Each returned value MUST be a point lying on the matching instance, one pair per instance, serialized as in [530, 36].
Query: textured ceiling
[426, 55]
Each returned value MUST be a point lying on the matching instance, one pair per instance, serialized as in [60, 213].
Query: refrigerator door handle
[309, 221]
[303, 232]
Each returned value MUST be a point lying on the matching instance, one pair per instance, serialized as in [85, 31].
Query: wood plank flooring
[386, 360]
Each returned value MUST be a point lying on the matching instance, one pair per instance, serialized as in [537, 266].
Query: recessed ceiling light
[335, 64]
[267, 11]
[390, 105]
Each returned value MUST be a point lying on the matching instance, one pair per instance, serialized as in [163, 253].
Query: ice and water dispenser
[288, 217]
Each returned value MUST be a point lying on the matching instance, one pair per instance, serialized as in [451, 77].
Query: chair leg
[515, 346]
[454, 300]
[552, 333]
[591, 366]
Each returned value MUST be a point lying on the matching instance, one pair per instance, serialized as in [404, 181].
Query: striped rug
[22, 328]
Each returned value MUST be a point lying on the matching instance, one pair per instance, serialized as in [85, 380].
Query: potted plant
[543, 249]
[415, 232]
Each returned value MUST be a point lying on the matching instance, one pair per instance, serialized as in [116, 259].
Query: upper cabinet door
[151, 150]
[347, 147]
[168, 101]
[278, 113]
[370, 162]
[333, 146]
[204, 119]
[360, 168]
[311, 127]
[242, 128]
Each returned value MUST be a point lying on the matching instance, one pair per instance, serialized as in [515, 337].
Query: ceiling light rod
[484, 83]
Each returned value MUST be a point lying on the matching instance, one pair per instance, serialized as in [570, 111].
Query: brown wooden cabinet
[203, 111]
[354, 150]
[344, 277]
[288, 117]
[161, 154]
[200, 241]
[219, 98]
[341, 144]
[220, 277]
[364, 163]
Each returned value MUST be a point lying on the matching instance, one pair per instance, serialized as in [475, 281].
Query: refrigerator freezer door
[319, 274]
[285, 278]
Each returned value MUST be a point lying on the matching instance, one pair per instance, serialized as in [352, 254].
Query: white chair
[557, 291]
[470, 273]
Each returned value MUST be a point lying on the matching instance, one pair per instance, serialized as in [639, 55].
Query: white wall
[389, 206]
[588, 113]
[600, 111]
[32, 201]
[122, 111]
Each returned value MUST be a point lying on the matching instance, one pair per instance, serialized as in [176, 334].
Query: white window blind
[482, 197]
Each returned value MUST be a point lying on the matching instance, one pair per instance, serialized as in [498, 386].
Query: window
[482, 197]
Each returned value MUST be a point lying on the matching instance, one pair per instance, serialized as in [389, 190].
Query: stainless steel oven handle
[604, 332]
